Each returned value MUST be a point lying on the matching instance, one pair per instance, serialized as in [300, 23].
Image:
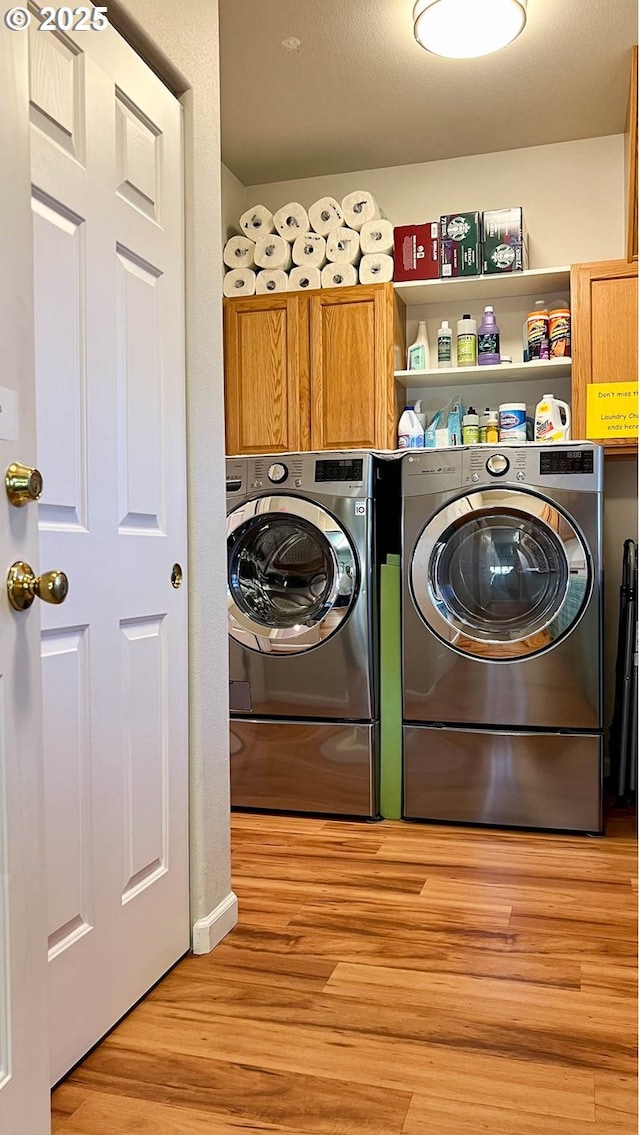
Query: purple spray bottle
[488, 339]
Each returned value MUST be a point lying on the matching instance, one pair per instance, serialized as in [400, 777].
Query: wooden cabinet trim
[631, 160]
[604, 270]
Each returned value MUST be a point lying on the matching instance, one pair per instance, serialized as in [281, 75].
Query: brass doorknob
[23, 484]
[23, 586]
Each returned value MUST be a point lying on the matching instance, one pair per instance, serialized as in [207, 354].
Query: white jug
[553, 419]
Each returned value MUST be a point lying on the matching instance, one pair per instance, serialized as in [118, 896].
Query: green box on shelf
[460, 245]
[505, 243]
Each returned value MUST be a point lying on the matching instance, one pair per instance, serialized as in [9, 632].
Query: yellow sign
[612, 410]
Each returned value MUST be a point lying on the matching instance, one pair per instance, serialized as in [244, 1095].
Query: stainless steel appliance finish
[315, 766]
[301, 630]
[534, 780]
[501, 614]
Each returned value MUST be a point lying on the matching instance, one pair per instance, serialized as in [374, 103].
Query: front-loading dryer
[302, 632]
[502, 635]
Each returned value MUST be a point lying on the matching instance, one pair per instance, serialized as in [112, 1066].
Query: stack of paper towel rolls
[332, 245]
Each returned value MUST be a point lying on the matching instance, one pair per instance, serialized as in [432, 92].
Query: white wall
[233, 197]
[572, 194]
[186, 50]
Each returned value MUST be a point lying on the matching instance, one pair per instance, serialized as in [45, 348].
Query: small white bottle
[418, 355]
[467, 342]
[445, 345]
[410, 432]
[422, 417]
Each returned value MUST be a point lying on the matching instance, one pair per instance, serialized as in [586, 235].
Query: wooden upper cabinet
[313, 370]
[604, 300]
[266, 374]
[352, 403]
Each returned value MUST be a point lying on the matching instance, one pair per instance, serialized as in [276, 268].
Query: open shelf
[504, 372]
[463, 288]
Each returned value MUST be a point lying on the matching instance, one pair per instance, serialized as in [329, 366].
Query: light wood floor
[385, 979]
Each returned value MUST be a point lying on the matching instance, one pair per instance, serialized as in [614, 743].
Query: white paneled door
[107, 208]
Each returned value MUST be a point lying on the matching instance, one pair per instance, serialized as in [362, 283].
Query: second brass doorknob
[23, 586]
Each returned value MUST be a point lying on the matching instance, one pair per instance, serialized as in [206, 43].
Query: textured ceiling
[359, 93]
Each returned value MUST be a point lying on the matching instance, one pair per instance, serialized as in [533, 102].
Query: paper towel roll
[325, 215]
[309, 251]
[376, 268]
[358, 208]
[304, 279]
[339, 276]
[257, 221]
[239, 282]
[238, 252]
[376, 236]
[271, 280]
[343, 246]
[272, 252]
[291, 220]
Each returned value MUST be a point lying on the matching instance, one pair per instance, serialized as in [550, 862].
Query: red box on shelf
[416, 252]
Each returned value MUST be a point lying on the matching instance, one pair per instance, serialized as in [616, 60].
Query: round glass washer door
[292, 574]
[500, 574]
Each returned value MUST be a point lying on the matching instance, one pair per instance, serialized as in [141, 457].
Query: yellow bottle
[493, 428]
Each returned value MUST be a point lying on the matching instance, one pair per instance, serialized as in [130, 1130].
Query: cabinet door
[352, 401]
[605, 338]
[267, 374]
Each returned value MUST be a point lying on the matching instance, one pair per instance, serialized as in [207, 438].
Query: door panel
[140, 425]
[351, 367]
[145, 696]
[266, 374]
[614, 304]
[56, 73]
[604, 298]
[108, 229]
[139, 170]
[59, 290]
[68, 771]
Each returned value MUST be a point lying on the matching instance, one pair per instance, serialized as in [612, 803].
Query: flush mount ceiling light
[464, 29]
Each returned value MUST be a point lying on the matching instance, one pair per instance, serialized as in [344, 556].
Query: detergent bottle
[553, 419]
[410, 432]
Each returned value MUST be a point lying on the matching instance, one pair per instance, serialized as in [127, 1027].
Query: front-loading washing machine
[303, 665]
[502, 635]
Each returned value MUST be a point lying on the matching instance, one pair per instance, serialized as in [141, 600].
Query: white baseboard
[208, 931]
